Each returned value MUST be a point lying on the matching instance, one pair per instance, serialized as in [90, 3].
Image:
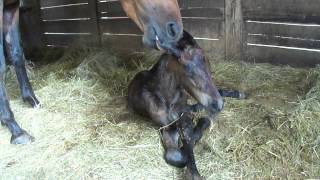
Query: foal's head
[160, 20]
[195, 76]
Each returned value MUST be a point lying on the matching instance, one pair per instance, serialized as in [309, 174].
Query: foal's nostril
[172, 30]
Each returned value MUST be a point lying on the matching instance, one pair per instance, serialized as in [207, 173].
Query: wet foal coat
[162, 93]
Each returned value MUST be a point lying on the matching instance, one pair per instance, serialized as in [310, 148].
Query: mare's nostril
[172, 30]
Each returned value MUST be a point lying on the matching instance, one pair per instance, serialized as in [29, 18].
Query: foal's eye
[189, 68]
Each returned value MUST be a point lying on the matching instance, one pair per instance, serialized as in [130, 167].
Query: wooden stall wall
[282, 31]
[69, 23]
[276, 31]
[103, 22]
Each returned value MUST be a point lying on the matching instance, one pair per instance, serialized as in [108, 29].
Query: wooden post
[94, 15]
[234, 30]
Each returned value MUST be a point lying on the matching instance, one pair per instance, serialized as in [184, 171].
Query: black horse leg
[15, 54]
[202, 125]
[19, 136]
[173, 155]
[185, 126]
[232, 94]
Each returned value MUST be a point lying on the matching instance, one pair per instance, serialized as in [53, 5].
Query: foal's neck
[166, 80]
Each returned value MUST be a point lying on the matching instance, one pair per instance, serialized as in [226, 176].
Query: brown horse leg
[185, 125]
[19, 136]
[15, 54]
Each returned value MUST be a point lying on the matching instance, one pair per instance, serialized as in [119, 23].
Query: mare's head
[195, 75]
[160, 21]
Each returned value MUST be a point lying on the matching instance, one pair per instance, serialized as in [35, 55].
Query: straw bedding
[84, 131]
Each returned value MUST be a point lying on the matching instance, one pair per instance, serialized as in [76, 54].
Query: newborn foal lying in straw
[162, 93]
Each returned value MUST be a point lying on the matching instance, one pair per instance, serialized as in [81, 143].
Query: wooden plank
[68, 12]
[274, 55]
[283, 41]
[203, 12]
[94, 19]
[306, 31]
[123, 43]
[234, 28]
[204, 28]
[110, 7]
[49, 3]
[287, 10]
[201, 3]
[83, 26]
[119, 26]
[70, 40]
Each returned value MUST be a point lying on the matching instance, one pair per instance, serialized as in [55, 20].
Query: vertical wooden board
[94, 21]
[234, 30]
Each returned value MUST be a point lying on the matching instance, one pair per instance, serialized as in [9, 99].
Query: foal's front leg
[15, 54]
[185, 125]
[19, 136]
[163, 116]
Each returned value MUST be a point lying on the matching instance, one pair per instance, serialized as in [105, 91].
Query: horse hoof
[242, 95]
[203, 123]
[32, 100]
[201, 126]
[175, 158]
[192, 175]
[23, 138]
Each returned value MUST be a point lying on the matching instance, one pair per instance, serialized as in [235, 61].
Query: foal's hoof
[242, 95]
[202, 125]
[175, 157]
[32, 100]
[23, 138]
[192, 175]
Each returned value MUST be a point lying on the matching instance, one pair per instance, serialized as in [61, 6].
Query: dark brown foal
[162, 93]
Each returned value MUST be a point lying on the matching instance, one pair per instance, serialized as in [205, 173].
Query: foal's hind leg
[19, 136]
[233, 94]
[15, 54]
